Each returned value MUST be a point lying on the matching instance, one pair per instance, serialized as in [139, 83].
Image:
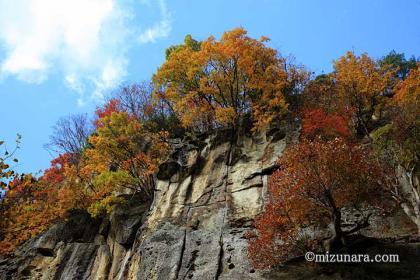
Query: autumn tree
[111, 106]
[32, 204]
[6, 175]
[398, 142]
[316, 181]
[15, 210]
[55, 173]
[17, 202]
[322, 112]
[28, 209]
[216, 83]
[123, 155]
[317, 123]
[63, 178]
[360, 85]
[320, 93]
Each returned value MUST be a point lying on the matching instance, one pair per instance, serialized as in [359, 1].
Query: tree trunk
[336, 242]
[409, 194]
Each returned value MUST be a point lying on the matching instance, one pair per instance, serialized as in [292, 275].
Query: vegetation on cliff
[360, 125]
[360, 135]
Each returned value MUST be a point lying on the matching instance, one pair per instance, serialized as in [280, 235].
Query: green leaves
[109, 181]
[106, 205]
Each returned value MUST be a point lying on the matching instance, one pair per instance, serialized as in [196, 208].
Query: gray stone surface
[206, 196]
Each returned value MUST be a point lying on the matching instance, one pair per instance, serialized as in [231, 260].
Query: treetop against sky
[63, 57]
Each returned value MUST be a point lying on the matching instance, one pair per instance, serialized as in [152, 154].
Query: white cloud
[160, 29]
[84, 41]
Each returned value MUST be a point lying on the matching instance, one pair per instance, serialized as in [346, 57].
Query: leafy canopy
[217, 83]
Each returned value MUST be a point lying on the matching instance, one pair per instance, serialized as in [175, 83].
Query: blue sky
[62, 57]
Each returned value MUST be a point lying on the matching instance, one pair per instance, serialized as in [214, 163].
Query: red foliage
[316, 180]
[106, 111]
[21, 187]
[29, 207]
[318, 123]
[55, 174]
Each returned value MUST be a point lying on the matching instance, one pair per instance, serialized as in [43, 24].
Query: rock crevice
[206, 195]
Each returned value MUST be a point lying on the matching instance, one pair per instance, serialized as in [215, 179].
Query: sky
[61, 57]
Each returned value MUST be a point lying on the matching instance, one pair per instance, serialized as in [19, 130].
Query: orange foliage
[360, 84]
[406, 119]
[219, 83]
[358, 78]
[222, 81]
[30, 207]
[408, 90]
[31, 204]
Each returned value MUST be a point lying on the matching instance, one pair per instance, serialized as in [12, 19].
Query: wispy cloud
[83, 41]
[160, 29]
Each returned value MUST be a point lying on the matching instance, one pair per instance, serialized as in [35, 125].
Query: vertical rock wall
[206, 197]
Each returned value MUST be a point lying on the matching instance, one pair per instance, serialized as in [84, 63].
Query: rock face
[206, 196]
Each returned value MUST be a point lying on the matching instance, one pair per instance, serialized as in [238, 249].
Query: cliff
[206, 196]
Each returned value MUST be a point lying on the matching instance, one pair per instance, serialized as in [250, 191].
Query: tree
[6, 172]
[323, 112]
[28, 209]
[315, 183]
[220, 82]
[398, 63]
[121, 143]
[54, 175]
[137, 100]
[322, 93]
[316, 123]
[70, 135]
[112, 106]
[123, 155]
[16, 226]
[398, 142]
[31, 205]
[189, 42]
[6, 176]
[360, 84]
